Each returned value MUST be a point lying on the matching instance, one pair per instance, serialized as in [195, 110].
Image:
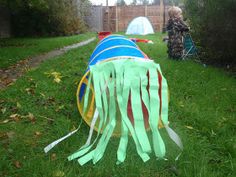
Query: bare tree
[134, 2]
[120, 3]
[144, 2]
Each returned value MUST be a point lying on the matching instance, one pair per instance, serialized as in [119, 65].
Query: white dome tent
[140, 26]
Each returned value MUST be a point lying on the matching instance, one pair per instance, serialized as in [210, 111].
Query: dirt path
[11, 74]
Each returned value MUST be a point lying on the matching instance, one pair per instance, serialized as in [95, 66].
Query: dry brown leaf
[3, 110]
[58, 173]
[18, 105]
[42, 94]
[15, 117]
[189, 127]
[53, 156]
[5, 121]
[3, 135]
[60, 108]
[6, 135]
[37, 133]
[17, 164]
[10, 134]
[30, 91]
[31, 117]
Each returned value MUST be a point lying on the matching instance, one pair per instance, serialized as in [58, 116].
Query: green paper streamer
[113, 82]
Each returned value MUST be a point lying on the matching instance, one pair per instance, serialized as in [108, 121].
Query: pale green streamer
[98, 92]
[107, 133]
[119, 79]
[87, 93]
[137, 110]
[123, 102]
[164, 95]
[121, 152]
[159, 146]
[84, 149]
[103, 80]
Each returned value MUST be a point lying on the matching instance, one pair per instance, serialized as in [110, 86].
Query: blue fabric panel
[110, 37]
[116, 52]
[82, 90]
[111, 43]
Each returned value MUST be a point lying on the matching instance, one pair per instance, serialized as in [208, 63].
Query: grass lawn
[15, 49]
[202, 112]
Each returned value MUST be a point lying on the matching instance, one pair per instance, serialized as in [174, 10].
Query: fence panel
[95, 20]
[117, 18]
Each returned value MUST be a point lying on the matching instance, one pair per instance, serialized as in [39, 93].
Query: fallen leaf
[57, 80]
[30, 79]
[213, 133]
[37, 133]
[7, 81]
[3, 110]
[60, 108]
[15, 117]
[73, 128]
[181, 104]
[42, 94]
[56, 75]
[189, 127]
[17, 164]
[58, 173]
[3, 135]
[76, 82]
[53, 156]
[30, 91]
[31, 117]
[10, 134]
[5, 121]
[18, 105]
[51, 100]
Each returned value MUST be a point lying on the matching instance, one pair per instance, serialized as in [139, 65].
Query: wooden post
[145, 10]
[164, 18]
[101, 18]
[108, 17]
[161, 14]
[117, 20]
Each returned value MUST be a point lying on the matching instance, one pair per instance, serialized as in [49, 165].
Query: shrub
[47, 17]
[213, 24]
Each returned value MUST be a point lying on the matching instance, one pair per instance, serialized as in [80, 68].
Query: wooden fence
[95, 19]
[117, 18]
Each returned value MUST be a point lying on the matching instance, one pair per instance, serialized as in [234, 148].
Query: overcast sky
[110, 2]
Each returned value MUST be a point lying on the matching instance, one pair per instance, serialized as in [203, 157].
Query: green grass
[201, 97]
[14, 49]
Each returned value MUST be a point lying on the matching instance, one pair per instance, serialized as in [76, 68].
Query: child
[175, 27]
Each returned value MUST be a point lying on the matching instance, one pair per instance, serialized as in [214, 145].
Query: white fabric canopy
[141, 26]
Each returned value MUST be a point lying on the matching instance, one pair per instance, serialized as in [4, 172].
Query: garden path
[11, 74]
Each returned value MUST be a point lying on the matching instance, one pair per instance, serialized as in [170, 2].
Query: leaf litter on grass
[205, 153]
[55, 75]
